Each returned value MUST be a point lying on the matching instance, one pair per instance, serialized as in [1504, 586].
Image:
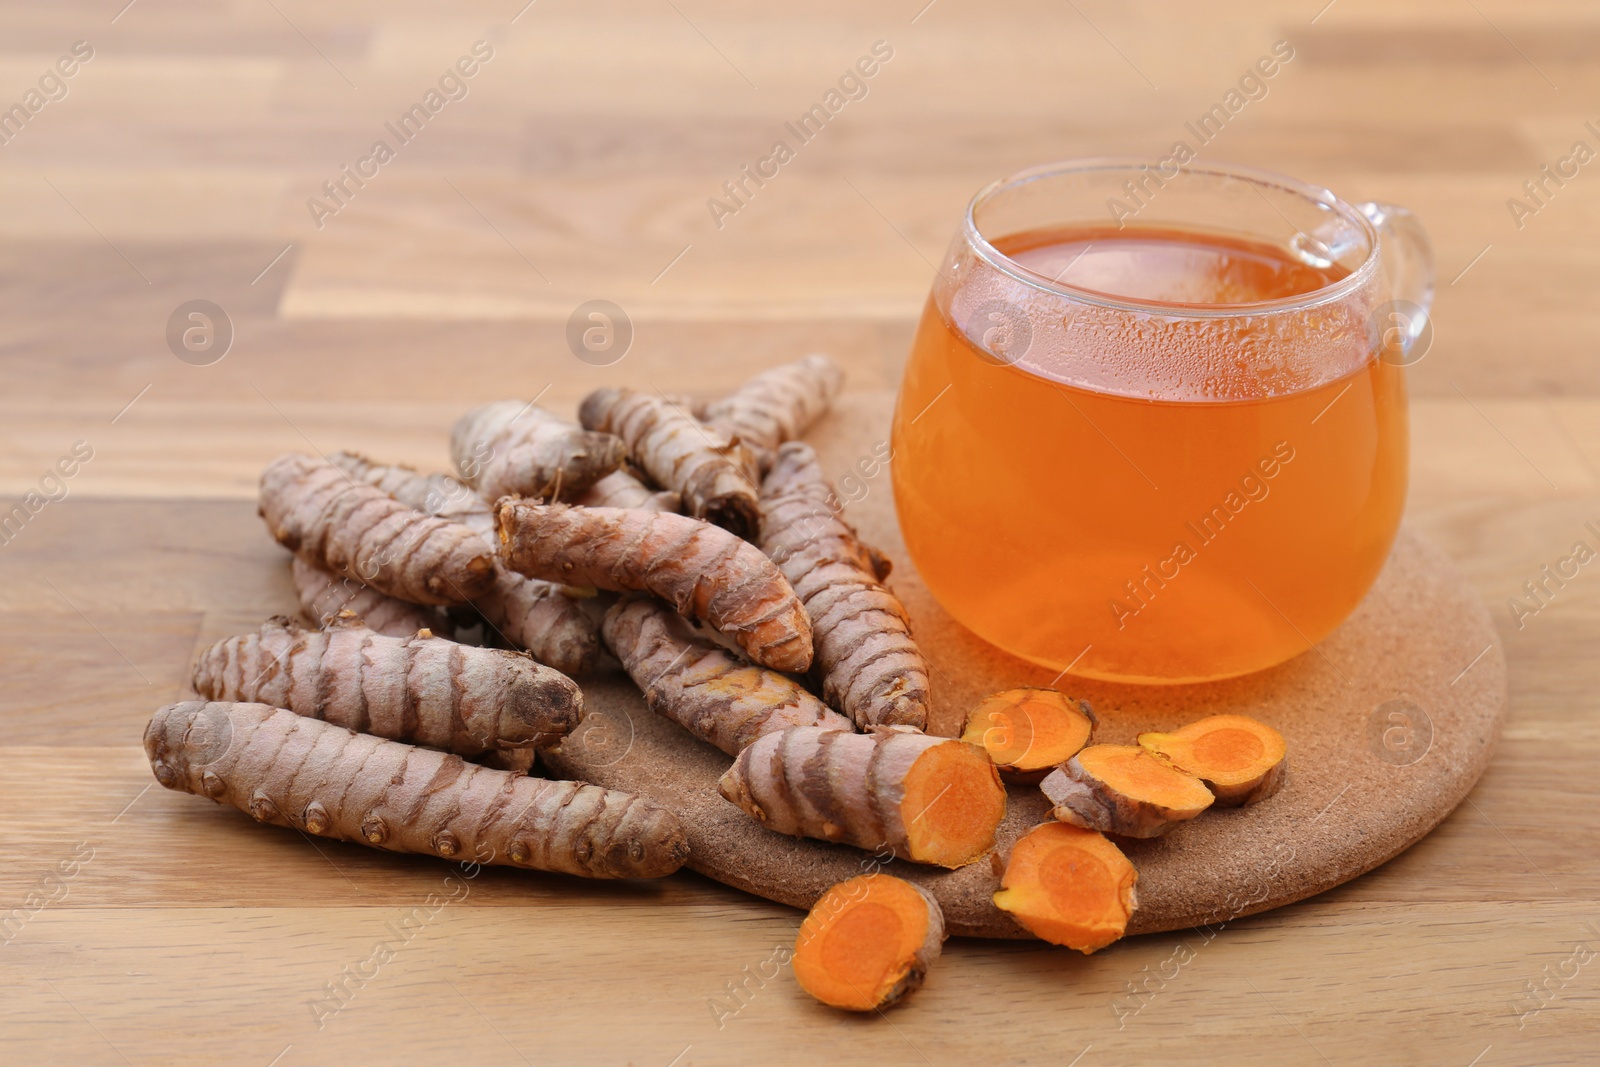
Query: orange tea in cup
[1165, 449]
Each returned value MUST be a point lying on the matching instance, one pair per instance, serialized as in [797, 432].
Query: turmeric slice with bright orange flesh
[1240, 759]
[1069, 886]
[1028, 731]
[926, 799]
[1124, 789]
[868, 942]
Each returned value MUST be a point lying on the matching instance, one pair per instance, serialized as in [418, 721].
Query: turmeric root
[776, 405]
[1240, 759]
[926, 799]
[527, 613]
[543, 619]
[702, 687]
[1069, 886]
[620, 489]
[422, 689]
[289, 770]
[314, 509]
[323, 596]
[431, 494]
[711, 472]
[868, 942]
[869, 666]
[509, 447]
[1028, 731]
[1124, 789]
[702, 571]
[518, 761]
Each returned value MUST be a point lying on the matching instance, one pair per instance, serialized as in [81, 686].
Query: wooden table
[150, 927]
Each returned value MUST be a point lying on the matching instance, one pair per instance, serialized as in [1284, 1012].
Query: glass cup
[1182, 455]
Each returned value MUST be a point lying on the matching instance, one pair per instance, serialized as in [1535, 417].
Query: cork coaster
[1389, 723]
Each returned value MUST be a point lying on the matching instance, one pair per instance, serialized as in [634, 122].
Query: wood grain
[178, 167]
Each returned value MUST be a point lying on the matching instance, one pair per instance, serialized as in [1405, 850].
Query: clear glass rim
[1316, 194]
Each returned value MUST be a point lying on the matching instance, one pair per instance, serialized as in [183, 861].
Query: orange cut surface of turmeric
[952, 806]
[1124, 789]
[1027, 731]
[1069, 886]
[926, 799]
[868, 942]
[1241, 759]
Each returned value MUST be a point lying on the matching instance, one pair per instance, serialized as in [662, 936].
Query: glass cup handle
[1408, 261]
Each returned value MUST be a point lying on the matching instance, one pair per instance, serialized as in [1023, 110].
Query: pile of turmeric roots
[699, 545]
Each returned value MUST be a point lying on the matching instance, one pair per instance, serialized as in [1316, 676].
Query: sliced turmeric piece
[1028, 731]
[1124, 789]
[1069, 886]
[868, 942]
[1240, 759]
[927, 799]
